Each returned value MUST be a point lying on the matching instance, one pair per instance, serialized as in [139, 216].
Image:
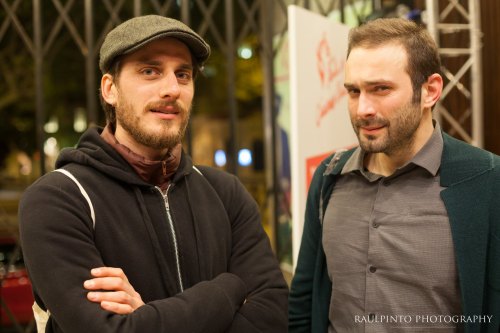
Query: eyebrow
[349, 85]
[187, 67]
[147, 61]
[152, 62]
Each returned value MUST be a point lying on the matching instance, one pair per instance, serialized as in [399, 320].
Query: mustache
[164, 104]
[376, 122]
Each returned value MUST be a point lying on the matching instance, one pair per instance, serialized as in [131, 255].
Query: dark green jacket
[471, 178]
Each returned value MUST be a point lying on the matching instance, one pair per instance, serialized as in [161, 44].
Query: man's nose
[365, 106]
[170, 87]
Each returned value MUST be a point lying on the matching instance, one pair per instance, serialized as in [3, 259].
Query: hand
[120, 297]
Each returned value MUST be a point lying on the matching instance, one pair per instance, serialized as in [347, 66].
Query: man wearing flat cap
[127, 235]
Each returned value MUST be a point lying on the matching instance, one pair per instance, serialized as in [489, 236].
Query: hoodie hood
[93, 151]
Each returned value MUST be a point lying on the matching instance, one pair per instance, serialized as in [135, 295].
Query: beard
[167, 138]
[400, 130]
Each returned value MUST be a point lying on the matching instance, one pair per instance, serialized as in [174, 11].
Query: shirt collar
[429, 157]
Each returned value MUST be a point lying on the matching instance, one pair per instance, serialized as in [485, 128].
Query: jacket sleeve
[252, 260]
[59, 250]
[300, 299]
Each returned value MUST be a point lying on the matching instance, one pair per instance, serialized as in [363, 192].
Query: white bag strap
[41, 317]
[82, 190]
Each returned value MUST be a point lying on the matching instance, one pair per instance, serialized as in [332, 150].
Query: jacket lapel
[464, 173]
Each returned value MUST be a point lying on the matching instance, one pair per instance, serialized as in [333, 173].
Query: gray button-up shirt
[389, 249]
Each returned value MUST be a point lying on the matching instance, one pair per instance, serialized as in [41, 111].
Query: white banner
[320, 121]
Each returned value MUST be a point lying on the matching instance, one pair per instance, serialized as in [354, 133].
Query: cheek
[188, 95]
[352, 107]
[392, 106]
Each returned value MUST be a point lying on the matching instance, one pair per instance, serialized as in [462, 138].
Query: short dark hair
[421, 49]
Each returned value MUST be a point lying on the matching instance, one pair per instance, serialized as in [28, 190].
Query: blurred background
[49, 82]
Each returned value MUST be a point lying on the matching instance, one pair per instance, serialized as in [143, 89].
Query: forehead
[166, 46]
[386, 62]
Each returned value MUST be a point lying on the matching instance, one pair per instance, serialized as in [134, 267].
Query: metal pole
[189, 133]
[432, 8]
[272, 177]
[231, 83]
[185, 12]
[476, 70]
[90, 65]
[342, 11]
[38, 55]
[137, 8]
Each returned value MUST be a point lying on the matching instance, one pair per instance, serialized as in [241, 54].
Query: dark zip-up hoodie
[197, 254]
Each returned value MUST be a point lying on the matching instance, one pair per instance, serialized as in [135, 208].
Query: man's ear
[108, 89]
[431, 90]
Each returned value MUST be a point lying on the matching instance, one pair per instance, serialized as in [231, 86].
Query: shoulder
[225, 184]
[462, 162]
[457, 152]
[54, 194]
[460, 150]
[220, 180]
[331, 165]
[66, 184]
[235, 198]
[51, 179]
[213, 173]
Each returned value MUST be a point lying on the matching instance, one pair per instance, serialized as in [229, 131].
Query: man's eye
[352, 91]
[185, 76]
[381, 88]
[148, 71]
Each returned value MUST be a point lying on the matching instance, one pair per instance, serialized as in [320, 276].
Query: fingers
[107, 283]
[117, 308]
[111, 288]
[111, 296]
[115, 301]
[108, 272]
[118, 302]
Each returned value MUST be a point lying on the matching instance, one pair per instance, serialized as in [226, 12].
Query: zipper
[174, 238]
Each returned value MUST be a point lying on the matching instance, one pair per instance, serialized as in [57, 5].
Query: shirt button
[375, 225]
[373, 269]
[371, 316]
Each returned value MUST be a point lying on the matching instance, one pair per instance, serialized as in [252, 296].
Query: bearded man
[127, 235]
[402, 234]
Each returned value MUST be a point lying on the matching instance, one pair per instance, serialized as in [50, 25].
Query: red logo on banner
[329, 70]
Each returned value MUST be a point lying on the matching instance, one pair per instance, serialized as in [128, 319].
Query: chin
[372, 146]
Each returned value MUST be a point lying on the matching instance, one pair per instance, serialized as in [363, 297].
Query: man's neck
[156, 172]
[149, 153]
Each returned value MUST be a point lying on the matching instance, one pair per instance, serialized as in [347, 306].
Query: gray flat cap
[138, 31]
